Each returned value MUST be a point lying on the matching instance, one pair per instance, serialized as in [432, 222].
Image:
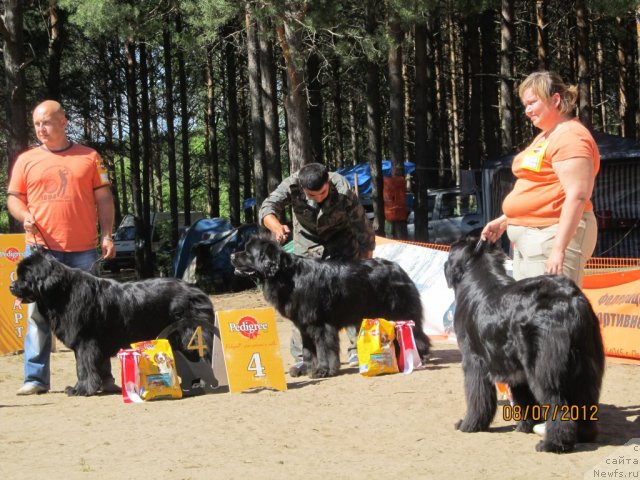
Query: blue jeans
[37, 343]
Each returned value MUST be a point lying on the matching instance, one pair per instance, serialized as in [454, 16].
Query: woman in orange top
[549, 215]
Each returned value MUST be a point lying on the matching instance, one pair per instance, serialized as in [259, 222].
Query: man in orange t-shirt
[549, 215]
[59, 191]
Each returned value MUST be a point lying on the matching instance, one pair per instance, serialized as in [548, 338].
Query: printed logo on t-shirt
[532, 159]
[55, 180]
[102, 171]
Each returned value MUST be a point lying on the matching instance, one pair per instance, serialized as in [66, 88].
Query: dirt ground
[346, 427]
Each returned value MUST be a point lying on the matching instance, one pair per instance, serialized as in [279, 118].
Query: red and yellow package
[157, 370]
[376, 349]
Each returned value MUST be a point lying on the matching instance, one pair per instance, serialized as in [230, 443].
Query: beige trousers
[532, 247]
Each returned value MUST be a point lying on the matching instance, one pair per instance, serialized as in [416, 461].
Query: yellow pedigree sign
[13, 316]
[251, 349]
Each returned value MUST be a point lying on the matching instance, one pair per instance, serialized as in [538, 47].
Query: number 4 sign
[251, 350]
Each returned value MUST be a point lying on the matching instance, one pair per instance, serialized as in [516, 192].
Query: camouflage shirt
[336, 228]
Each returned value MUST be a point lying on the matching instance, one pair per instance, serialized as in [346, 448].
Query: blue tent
[363, 171]
[185, 251]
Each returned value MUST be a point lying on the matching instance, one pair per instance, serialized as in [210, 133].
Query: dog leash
[96, 271]
[479, 245]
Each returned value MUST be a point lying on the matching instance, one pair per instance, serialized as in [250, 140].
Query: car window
[457, 205]
[431, 203]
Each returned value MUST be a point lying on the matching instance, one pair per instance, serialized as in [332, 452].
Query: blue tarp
[363, 170]
[185, 252]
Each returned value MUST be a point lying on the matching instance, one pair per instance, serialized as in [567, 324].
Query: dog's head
[261, 256]
[36, 275]
[467, 251]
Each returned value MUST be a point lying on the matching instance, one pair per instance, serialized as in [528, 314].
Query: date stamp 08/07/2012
[544, 412]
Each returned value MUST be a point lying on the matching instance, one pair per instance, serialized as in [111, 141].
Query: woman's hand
[555, 262]
[493, 230]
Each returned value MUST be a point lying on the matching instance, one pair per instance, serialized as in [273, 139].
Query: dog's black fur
[538, 335]
[322, 296]
[95, 317]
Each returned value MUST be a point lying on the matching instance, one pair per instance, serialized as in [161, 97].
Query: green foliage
[613, 7]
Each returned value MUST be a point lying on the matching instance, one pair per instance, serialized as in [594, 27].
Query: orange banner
[615, 297]
[13, 318]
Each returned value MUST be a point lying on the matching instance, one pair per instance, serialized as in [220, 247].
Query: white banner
[425, 266]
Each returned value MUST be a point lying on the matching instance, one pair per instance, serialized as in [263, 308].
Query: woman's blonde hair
[544, 84]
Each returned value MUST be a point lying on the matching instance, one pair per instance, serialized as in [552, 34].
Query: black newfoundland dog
[95, 317]
[538, 335]
[322, 296]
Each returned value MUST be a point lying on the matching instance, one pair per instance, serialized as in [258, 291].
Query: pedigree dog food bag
[376, 349]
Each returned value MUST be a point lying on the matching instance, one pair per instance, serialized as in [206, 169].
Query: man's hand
[29, 223]
[281, 234]
[279, 231]
[108, 248]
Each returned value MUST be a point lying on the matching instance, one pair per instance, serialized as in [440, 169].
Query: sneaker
[31, 389]
[353, 360]
[539, 429]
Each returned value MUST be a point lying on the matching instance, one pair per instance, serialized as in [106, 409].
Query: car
[124, 237]
[452, 214]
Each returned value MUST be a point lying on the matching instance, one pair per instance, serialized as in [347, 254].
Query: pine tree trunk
[396, 114]
[157, 199]
[108, 153]
[171, 138]
[56, 30]
[184, 130]
[421, 134]
[273, 167]
[213, 175]
[145, 120]
[489, 63]
[134, 154]
[315, 108]
[15, 84]
[541, 33]
[295, 101]
[507, 33]
[232, 128]
[374, 128]
[473, 145]
[584, 71]
[452, 108]
[336, 91]
[257, 122]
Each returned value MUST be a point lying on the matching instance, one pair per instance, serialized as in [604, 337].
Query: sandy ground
[346, 427]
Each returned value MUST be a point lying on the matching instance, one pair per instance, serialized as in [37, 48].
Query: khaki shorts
[532, 247]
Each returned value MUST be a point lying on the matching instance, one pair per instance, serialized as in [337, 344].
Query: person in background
[59, 191]
[549, 215]
[328, 222]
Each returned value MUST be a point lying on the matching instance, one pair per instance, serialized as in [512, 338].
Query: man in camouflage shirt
[328, 222]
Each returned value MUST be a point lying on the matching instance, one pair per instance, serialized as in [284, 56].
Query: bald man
[59, 191]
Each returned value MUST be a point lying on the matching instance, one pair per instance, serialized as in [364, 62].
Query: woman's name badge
[532, 160]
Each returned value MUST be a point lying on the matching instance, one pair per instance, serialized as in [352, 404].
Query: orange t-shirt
[59, 192]
[537, 196]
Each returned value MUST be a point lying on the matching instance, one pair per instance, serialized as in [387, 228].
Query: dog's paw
[71, 391]
[298, 370]
[544, 446]
[109, 386]
[468, 427]
[321, 373]
[525, 426]
[78, 391]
